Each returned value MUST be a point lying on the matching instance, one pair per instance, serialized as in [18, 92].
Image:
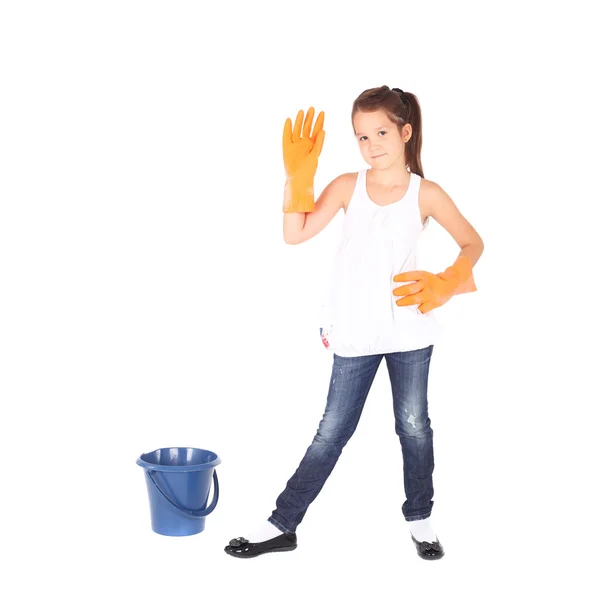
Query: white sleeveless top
[359, 314]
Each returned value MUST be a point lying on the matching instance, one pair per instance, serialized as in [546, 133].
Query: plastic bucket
[178, 482]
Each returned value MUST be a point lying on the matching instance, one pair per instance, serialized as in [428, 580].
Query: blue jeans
[351, 380]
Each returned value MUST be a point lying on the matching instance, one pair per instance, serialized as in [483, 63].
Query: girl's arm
[299, 227]
[438, 204]
[441, 207]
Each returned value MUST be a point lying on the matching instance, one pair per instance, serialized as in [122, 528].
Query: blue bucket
[178, 481]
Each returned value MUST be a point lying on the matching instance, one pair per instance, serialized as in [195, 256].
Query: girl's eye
[377, 132]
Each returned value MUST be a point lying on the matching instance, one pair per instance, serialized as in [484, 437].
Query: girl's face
[379, 139]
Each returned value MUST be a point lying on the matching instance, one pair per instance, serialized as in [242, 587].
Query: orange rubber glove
[431, 291]
[300, 158]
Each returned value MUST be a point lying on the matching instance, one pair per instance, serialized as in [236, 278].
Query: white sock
[422, 530]
[265, 531]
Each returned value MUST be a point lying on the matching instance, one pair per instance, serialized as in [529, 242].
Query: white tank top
[359, 314]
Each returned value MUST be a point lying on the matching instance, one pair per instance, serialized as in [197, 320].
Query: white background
[148, 299]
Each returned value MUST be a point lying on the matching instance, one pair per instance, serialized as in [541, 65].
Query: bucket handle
[196, 514]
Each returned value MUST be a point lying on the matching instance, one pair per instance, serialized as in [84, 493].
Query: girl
[367, 316]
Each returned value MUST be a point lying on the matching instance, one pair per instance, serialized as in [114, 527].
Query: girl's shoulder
[347, 184]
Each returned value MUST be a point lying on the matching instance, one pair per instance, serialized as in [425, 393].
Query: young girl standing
[372, 310]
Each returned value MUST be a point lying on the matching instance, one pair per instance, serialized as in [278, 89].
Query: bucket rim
[179, 468]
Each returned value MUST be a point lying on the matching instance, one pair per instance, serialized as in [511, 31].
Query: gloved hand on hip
[431, 291]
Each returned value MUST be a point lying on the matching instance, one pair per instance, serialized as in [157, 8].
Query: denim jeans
[350, 382]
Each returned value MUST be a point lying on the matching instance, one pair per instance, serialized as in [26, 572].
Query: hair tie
[402, 95]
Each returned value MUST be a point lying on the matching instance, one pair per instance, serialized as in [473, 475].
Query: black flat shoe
[428, 550]
[241, 548]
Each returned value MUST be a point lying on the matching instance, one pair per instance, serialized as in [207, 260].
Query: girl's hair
[392, 102]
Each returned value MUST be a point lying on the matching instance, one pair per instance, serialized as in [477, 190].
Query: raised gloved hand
[300, 157]
[431, 291]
